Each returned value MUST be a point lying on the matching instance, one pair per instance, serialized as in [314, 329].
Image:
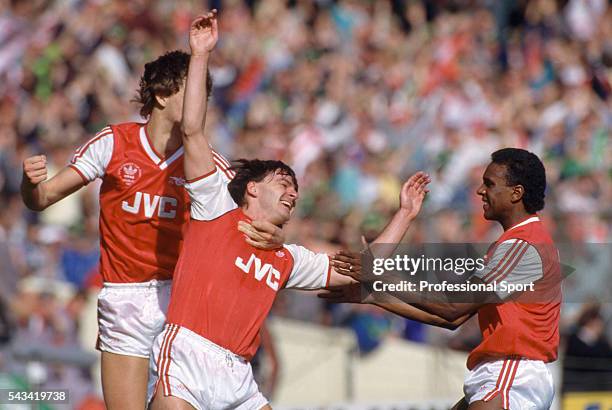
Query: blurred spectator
[587, 364]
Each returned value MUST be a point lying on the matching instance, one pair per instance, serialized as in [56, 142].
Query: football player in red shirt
[223, 288]
[520, 332]
[143, 210]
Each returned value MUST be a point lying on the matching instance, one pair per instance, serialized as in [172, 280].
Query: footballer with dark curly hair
[517, 297]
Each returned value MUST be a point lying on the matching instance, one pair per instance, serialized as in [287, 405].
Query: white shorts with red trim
[521, 383]
[131, 315]
[207, 376]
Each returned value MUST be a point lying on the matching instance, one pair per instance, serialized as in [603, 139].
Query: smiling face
[498, 198]
[276, 196]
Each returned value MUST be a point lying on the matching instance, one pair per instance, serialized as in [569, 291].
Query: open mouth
[287, 204]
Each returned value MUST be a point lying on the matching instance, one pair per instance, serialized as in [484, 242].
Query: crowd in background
[355, 95]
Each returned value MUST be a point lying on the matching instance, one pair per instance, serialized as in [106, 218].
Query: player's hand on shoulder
[203, 34]
[413, 193]
[35, 169]
[262, 234]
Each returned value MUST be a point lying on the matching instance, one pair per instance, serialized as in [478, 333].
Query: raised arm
[203, 37]
[411, 199]
[37, 192]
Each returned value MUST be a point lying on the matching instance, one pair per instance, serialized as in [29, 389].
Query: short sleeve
[514, 262]
[209, 196]
[91, 159]
[310, 270]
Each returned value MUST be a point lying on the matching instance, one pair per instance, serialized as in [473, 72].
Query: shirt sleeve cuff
[329, 269]
[78, 171]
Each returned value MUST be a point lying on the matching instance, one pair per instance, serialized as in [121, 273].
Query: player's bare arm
[411, 199]
[352, 293]
[203, 37]
[349, 263]
[453, 311]
[37, 192]
[451, 314]
[412, 196]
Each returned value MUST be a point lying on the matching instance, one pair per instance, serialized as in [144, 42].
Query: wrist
[27, 184]
[406, 214]
[204, 54]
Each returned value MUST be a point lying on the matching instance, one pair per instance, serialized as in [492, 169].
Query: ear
[517, 193]
[162, 101]
[251, 189]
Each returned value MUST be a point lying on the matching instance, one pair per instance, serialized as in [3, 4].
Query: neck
[165, 136]
[255, 213]
[515, 219]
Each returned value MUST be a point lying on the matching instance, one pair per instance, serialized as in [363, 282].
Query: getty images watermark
[412, 266]
[470, 272]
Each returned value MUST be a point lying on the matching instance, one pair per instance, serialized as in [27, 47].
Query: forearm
[392, 234]
[33, 196]
[39, 196]
[447, 311]
[198, 154]
[195, 101]
[413, 313]
[396, 228]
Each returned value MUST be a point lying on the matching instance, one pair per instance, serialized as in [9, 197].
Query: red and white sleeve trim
[81, 150]
[329, 270]
[508, 262]
[201, 177]
[78, 171]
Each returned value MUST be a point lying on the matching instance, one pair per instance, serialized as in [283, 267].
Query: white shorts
[207, 376]
[131, 315]
[521, 383]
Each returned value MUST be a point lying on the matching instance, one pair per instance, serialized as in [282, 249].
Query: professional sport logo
[129, 173]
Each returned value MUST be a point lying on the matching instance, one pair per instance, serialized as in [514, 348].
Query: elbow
[34, 206]
[451, 316]
[450, 325]
[191, 130]
[32, 203]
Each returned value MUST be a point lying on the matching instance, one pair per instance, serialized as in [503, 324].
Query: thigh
[124, 381]
[460, 405]
[493, 404]
[161, 402]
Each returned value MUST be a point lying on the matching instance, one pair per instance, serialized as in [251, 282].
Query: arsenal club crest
[129, 173]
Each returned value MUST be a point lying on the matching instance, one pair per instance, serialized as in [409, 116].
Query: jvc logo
[165, 206]
[272, 275]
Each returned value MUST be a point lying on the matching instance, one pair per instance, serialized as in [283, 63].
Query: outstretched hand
[203, 34]
[413, 193]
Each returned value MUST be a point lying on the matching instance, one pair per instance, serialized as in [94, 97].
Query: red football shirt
[527, 326]
[143, 204]
[224, 288]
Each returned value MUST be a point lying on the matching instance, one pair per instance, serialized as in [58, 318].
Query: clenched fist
[35, 169]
